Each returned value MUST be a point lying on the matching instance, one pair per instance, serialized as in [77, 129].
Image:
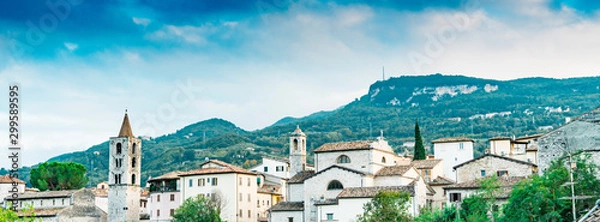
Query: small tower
[125, 158]
[297, 151]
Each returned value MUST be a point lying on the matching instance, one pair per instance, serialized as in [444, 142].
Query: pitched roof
[532, 148]
[394, 170]
[47, 212]
[8, 179]
[288, 206]
[440, 180]
[453, 140]
[344, 146]
[494, 156]
[367, 192]
[270, 189]
[223, 168]
[45, 194]
[168, 176]
[306, 176]
[506, 185]
[301, 176]
[326, 202]
[125, 128]
[425, 164]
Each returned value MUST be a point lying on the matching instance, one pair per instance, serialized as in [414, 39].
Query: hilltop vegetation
[446, 106]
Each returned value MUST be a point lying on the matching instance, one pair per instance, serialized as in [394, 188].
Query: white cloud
[71, 46]
[141, 21]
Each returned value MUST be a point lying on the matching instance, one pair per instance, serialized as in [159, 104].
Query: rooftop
[506, 185]
[343, 146]
[270, 189]
[8, 179]
[45, 194]
[426, 164]
[288, 206]
[440, 180]
[301, 177]
[368, 192]
[494, 156]
[394, 170]
[453, 140]
[221, 167]
[167, 176]
[125, 127]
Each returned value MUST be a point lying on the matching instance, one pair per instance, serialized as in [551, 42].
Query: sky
[81, 63]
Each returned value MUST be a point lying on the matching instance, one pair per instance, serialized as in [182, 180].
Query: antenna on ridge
[383, 73]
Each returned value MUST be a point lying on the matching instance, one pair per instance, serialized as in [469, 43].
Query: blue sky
[171, 63]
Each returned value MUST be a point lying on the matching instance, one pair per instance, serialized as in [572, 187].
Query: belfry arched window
[295, 144]
[343, 159]
[383, 159]
[118, 148]
[335, 185]
[132, 178]
[133, 148]
[133, 162]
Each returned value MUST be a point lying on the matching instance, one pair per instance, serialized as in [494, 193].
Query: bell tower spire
[297, 151]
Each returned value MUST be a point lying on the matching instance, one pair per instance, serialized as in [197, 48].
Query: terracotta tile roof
[223, 168]
[501, 138]
[125, 128]
[100, 192]
[506, 185]
[288, 206]
[453, 140]
[45, 194]
[270, 189]
[398, 170]
[7, 179]
[167, 176]
[535, 136]
[440, 180]
[425, 164]
[594, 214]
[367, 192]
[494, 156]
[301, 177]
[344, 146]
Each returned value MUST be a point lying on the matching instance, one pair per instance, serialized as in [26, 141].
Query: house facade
[453, 151]
[493, 165]
[164, 196]
[273, 166]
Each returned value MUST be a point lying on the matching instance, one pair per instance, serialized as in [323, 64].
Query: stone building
[523, 148]
[582, 135]
[125, 160]
[491, 164]
[165, 196]
[59, 206]
[459, 191]
[432, 171]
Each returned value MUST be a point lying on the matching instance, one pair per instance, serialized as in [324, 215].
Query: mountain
[445, 105]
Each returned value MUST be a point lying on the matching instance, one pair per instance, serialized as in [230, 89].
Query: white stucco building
[68, 205]
[233, 187]
[273, 166]
[453, 151]
[493, 165]
[7, 188]
[347, 175]
[164, 196]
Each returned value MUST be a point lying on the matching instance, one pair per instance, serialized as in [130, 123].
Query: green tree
[419, 148]
[58, 176]
[448, 214]
[539, 198]
[387, 206]
[198, 209]
[9, 215]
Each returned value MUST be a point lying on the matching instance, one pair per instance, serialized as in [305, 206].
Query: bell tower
[125, 158]
[297, 151]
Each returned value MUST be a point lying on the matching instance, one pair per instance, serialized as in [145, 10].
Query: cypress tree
[419, 148]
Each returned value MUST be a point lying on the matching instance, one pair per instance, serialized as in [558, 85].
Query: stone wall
[575, 136]
[491, 165]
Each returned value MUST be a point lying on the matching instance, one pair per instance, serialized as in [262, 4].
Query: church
[346, 175]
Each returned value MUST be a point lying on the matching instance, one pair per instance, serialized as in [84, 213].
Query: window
[290, 219]
[133, 148]
[258, 203]
[266, 169]
[482, 173]
[63, 201]
[191, 183]
[295, 144]
[116, 162]
[158, 213]
[214, 181]
[267, 203]
[335, 185]
[279, 168]
[383, 159]
[41, 202]
[461, 146]
[172, 197]
[133, 162]
[240, 213]
[329, 216]
[455, 197]
[158, 198]
[172, 212]
[502, 172]
[201, 182]
[132, 178]
[249, 183]
[119, 177]
[240, 181]
[53, 202]
[343, 159]
[249, 214]
[248, 197]
[118, 148]
[116, 179]
[240, 197]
